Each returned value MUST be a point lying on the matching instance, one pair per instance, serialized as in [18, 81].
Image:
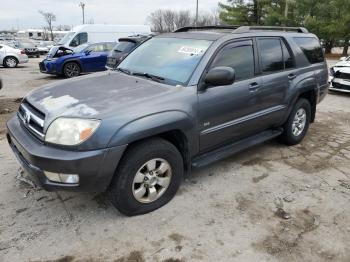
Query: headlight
[71, 131]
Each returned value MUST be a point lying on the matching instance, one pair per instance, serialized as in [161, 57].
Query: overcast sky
[24, 13]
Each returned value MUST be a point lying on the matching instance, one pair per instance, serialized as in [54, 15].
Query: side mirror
[220, 76]
[343, 58]
[87, 52]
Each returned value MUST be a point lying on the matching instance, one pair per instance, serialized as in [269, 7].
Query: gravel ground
[270, 203]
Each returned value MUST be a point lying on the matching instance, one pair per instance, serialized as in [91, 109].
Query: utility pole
[82, 5]
[197, 13]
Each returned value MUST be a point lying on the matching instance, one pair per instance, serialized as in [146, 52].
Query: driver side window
[79, 39]
[239, 56]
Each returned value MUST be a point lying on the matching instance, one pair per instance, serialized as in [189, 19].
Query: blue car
[72, 62]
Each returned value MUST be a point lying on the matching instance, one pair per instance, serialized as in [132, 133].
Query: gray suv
[180, 100]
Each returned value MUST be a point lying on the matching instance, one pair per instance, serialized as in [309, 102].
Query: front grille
[340, 86]
[342, 75]
[32, 119]
[31, 50]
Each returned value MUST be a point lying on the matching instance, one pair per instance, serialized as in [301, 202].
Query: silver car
[11, 57]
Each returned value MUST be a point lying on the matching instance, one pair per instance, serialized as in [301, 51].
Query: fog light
[62, 178]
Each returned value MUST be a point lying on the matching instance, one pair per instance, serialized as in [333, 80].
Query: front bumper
[48, 68]
[95, 168]
[32, 53]
[341, 85]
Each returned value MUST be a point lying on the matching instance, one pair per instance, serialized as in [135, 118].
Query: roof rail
[247, 29]
[210, 27]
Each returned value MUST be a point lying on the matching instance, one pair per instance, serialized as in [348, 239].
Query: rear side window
[108, 47]
[271, 55]
[124, 46]
[240, 57]
[311, 48]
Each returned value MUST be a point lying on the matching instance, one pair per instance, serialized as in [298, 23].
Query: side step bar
[234, 148]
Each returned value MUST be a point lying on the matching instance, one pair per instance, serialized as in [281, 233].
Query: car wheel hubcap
[151, 180]
[72, 70]
[10, 62]
[299, 122]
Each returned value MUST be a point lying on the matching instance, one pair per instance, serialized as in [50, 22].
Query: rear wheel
[10, 62]
[71, 69]
[298, 122]
[147, 178]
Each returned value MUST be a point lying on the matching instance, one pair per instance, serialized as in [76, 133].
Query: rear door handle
[254, 87]
[292, 76]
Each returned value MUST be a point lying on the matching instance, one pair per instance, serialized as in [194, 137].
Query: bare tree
[208, 18]
[157, 21]
[49, 18]
[63, 28]
[183, 18]
[169, 20]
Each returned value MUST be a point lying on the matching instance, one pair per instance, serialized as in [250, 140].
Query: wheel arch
[71, 61]
[173, 126]
[9, 56]
[306, 89]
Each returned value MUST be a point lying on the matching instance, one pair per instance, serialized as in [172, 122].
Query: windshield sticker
[190, 50]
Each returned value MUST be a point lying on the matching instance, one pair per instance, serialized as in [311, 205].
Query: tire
[10, 62]
[294, 134]
[125, 188]
[37, 56]
[71, 69]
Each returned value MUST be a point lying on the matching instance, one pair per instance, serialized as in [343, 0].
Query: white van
[101, 33]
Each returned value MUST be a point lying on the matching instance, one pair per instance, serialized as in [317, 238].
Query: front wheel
[71, 69]
[298, 123]
[147, 178]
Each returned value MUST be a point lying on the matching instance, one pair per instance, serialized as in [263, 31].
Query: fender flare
[153, 125]
[306, 85]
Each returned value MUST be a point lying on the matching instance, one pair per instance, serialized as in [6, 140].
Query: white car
[340, 75]
[45, 46]
[11, 57]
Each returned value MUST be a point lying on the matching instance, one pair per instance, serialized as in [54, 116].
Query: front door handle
[292, 76]
[254, 87]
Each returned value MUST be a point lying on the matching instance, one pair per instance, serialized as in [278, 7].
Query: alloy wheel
[11, 62]
[72, 70]
[299, 122]
[152, 180]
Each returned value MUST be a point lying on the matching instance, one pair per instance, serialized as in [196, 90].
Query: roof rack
[247, 29]
[210, 27]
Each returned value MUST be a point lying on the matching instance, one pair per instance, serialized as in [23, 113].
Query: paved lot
[233, 210]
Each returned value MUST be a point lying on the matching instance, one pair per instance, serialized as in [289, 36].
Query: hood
[343, 64]
[95, 96]
[345, 70]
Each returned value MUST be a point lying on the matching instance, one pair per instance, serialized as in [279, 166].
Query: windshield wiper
[123, 70]
[150, 76]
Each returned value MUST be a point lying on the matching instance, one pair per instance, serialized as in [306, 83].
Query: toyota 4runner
[180, 100]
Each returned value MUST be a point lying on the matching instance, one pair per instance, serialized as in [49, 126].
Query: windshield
[173, 59]
[65, 39]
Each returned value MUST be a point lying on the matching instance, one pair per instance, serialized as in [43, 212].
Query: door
[278, 72]
[94, 58]
[226, 113]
